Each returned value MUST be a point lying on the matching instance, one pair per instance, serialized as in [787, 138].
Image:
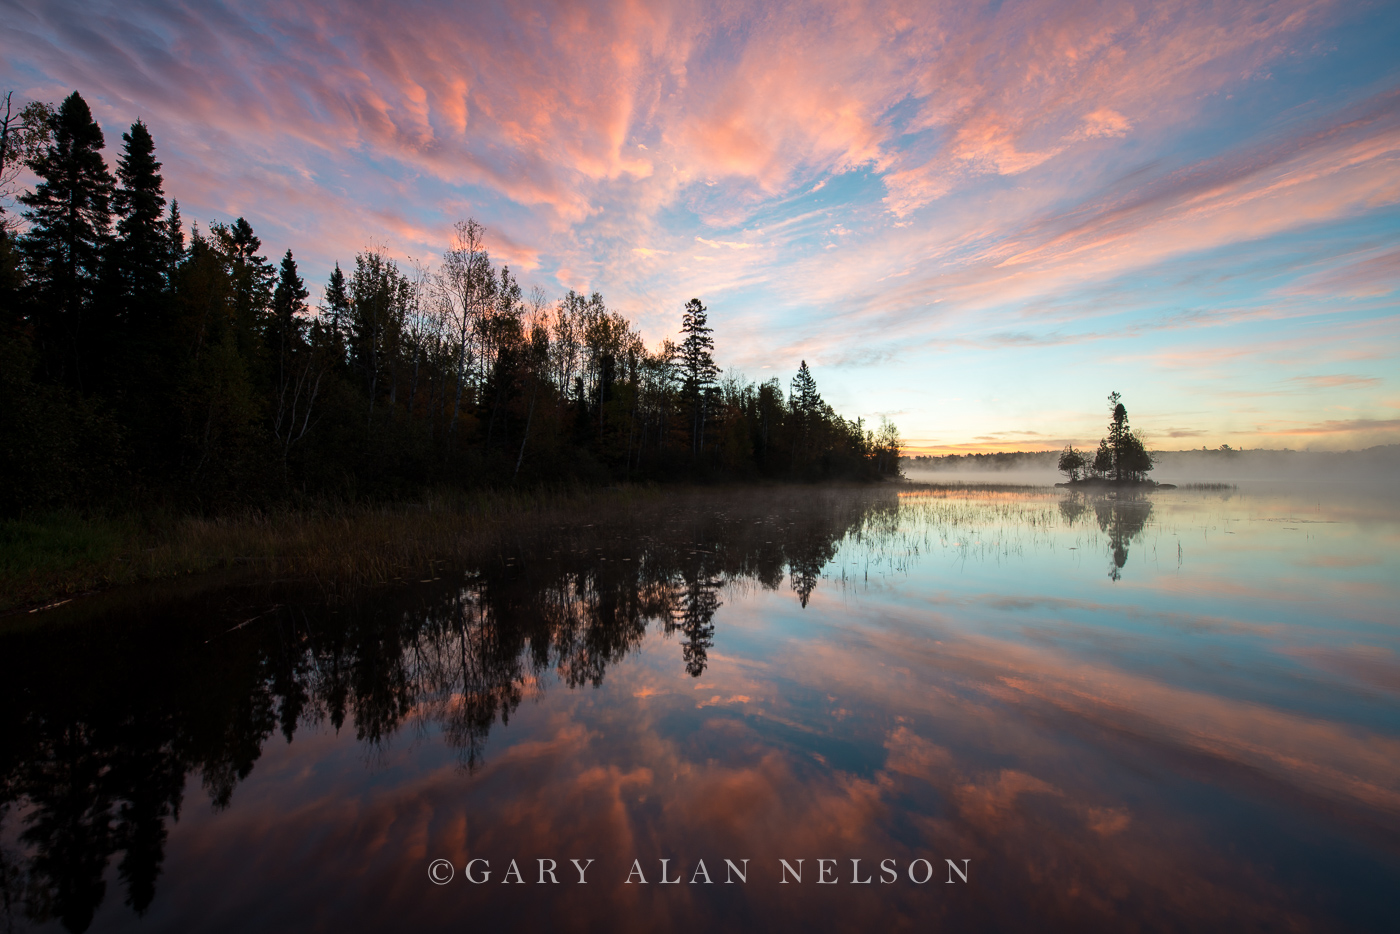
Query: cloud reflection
[913, 715]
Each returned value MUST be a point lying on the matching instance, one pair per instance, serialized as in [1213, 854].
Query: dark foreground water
[1172, 712]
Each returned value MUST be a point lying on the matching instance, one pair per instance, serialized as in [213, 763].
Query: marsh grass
[342, 546]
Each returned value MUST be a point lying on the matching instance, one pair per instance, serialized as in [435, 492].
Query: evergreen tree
[1117, 432]
[379, 298]
[288, 304]
[174, 243]
[806, 404]
[139, 258]
[1133, 459]
[69, 214]
[805, 400]
[698, 369]
[251, 277]
[1102, 464]
[300, 367]
[337, 311]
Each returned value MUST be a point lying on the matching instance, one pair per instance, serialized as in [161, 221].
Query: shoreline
[53, 560]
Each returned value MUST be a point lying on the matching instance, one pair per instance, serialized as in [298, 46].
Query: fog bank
[1372, 465]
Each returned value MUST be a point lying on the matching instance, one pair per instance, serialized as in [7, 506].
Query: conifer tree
[806, 406]
[174, 243]
[1102, 465]
[337, 311]
[139, 257]
[805, 400]
[288, 303]
[1117, 431]
[251, 278]
[698, 369]
[300, 369]
[69, 214]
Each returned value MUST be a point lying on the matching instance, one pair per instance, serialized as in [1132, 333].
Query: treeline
[998, 460]
[137, 362]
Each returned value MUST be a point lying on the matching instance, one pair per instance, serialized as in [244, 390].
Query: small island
[1122, 459]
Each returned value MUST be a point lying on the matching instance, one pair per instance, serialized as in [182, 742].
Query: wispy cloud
[870, 183]
[1335, 381]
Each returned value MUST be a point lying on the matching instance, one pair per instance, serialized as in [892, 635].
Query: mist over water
[1378, 466]
[1174, 708]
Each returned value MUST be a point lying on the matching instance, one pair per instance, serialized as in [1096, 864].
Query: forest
[143, 361]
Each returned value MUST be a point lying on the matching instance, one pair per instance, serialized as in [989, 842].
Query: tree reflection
[695, 611]
[1123, 519]
[102, 725]
[1072, 507]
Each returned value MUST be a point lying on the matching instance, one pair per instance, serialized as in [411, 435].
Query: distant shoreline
[1378, 464]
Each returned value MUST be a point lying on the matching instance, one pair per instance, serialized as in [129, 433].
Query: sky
[975, 219]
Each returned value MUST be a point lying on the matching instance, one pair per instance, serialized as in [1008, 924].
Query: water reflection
[101, 725]
[897, 675]
[1122, 515]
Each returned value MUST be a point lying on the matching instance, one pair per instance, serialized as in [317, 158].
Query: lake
[790, 709]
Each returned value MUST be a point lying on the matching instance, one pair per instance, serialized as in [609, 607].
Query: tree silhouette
[336, 310]
[24, 134]
[1072, 462]
[288, 304]
[182, 367]
[698, 369]
[806, 405]
[1121, 453]
[139, 256]
[174, 244]
[70, 215]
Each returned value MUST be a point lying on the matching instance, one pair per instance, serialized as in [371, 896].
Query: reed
[52, 558]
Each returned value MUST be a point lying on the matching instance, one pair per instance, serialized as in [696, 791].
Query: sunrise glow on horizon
[976, 220]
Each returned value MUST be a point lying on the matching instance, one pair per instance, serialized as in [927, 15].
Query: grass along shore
[53, 558]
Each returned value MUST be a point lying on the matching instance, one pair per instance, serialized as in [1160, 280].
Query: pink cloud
[1002, 159]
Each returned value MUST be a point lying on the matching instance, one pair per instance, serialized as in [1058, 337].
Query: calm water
[1169, 712]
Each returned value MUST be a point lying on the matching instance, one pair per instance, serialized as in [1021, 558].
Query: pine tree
[139, 257]
[378, 303]
[69, 215]
[251, 277]
[288, 304]
[1102, 464]
[337, 312]
[300, 368]
[806, 404]
[1117, 433]
[174, 243]
[698, 369]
